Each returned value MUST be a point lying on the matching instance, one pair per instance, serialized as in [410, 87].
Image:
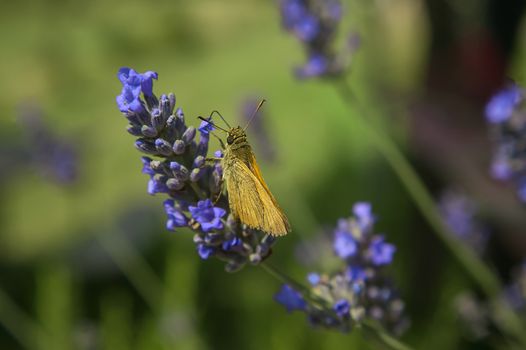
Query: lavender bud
[179, 121]
[179, 147]
[144, 117]
[157, 119]
[151, 101]
[202, 147]
[133, 118]
[199, 161]
[196, 174]
[189, 134]
[174, 184]
[214, 182]
[171, 99]
[134, 130]
[231, 223]
[163, 147]
[254, 258]
[164, 106]
[145, 147]
[148, 131]
[179, 171]
[156, 165]
[170, 132]
[198, 238]
[214, 238]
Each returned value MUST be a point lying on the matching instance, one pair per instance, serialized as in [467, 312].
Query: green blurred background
[89, 265]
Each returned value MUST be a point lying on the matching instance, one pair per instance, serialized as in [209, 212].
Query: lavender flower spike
[177, 169]
[360, 289]
[315, 23]
[507, 121]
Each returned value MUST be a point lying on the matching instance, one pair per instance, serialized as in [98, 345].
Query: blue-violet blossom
[507, 121]
[460, 214]
[315, 23]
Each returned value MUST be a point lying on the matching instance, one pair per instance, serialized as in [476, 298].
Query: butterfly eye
[229, 140]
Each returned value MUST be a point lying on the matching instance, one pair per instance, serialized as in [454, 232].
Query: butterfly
[249, 197]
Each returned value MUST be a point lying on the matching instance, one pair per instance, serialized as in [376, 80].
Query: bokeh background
[85, 259]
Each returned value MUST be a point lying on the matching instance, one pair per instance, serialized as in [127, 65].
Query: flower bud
[179, 147]
[163, 147]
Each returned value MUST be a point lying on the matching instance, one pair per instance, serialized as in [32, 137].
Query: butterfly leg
[213, 159]
[220, 140]
[216, 200]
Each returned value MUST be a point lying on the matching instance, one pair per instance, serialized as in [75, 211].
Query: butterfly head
[236, 135]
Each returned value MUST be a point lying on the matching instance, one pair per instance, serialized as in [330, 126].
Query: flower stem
[376, 332]
[473, 266]
[19, 324]
[133, 266]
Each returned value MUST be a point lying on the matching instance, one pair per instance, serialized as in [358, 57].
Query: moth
[249, 197]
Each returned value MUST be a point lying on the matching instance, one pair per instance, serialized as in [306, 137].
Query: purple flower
[290, 298]
[364, 214]
[307, 28]
[355, 274]
[460, 214]
[342, 308]
[313, 278]
[344, 244]
[156, 186]
[129, 100]
[146, 168]
[137, 81]
[501, 170]
[316, 65]
[381, 253]
[206, 128]
[521, 191]
[292, 11]
[176, 218]
[501, 105]
[207, 215]
[204, 251]
[314, 23]
[234, 242]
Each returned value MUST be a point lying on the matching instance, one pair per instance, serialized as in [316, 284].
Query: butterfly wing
[250, 199]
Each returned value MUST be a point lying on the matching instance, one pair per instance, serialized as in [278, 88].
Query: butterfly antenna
[219, 114]
[254, 113]
[209, 122]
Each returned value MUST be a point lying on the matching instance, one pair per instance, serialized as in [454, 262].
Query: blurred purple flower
[459, 214]
[55, 157]
[381, 253]
[360, 289]
[315, 23]
[342, 308]
[502, 104]
[344, 244]
[289, 298]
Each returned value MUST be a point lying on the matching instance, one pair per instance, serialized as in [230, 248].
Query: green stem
[369, 330]
[413, 184]
[134, 267]
[283, 278]
[376, 332]
[21, 326]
